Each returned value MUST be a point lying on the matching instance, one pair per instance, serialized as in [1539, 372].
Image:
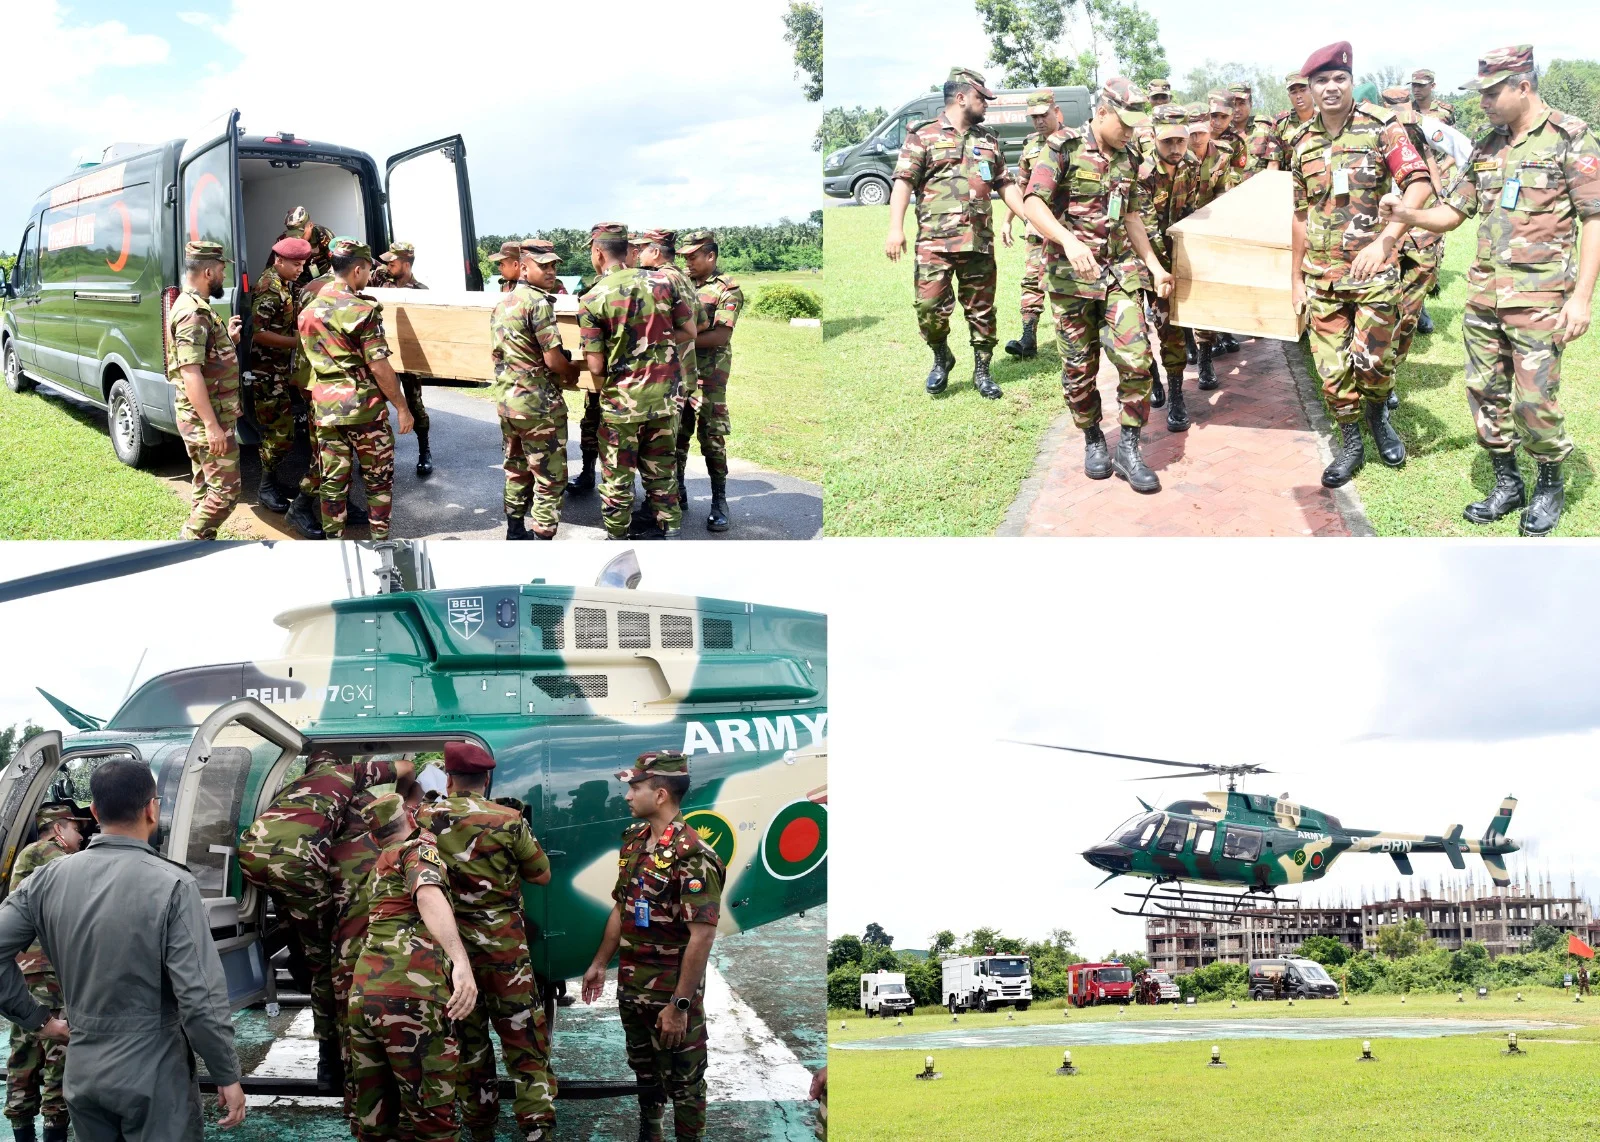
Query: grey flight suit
[141, 981]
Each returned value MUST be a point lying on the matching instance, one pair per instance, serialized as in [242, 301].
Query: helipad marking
[293, 1055]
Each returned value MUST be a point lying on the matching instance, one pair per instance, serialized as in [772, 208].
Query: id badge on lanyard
[1510, 192]
[1341, 182]
[641, 907]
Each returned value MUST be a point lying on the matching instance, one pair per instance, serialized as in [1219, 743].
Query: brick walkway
[1250, 464]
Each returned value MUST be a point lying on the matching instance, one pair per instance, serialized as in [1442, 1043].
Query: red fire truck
[1099, 983]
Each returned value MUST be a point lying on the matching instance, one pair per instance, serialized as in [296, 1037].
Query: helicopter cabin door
[241, 740]
[22, 790]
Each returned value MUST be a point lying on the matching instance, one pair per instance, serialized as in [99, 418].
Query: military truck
[864, 171]
[100, 259]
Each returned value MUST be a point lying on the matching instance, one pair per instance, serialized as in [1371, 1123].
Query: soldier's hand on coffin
[1160, 281]
[55, 1028]
[894, 245]
[1297, 293]
[1370, 261]
[405, 420]
[1387, 205]
[1573, 320]
[1083, 263]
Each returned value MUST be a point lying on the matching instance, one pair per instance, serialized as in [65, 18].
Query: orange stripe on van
[121, 208]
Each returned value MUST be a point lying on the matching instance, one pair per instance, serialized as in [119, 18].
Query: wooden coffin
[1232, 263]
[437, 333]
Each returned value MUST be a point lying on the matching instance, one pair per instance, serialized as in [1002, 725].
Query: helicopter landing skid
[1198, 903]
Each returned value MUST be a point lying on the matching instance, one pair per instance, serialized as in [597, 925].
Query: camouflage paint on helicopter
[562, 685]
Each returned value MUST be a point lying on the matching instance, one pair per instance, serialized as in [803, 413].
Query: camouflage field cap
[972, 78]
[608, 232]
[540, 250]
[383, 811]
[1396, 96]
[205, 250]
[1172, 122]
[1220, 102]
[1500, 65]
[1161, 87]
[1041, 102]
[508, 251]
[1239, 90]
[656, 763]
[52, 811]
[1294, 79]
[295, 249]
[466, 757]
[1127, 99]
[350, 248]
[1199, 116]
[691, 240]
[296, 219]
[399, 250]
[1422, 75]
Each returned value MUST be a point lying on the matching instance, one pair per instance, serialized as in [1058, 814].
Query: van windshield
[1008, 967]
[1312, 971]
[891, 989]
[1114, 975]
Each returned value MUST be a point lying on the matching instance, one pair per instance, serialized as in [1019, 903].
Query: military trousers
[1033, 280]
[1417, 279]
[272, 396]
[1085, 325]
[411, 388]
[340, 446]
[1352, 342]
[35, 1067]
[1514, 379]
[1169, 337]
[670, 1074]
[404, 1063]
[940, 279]
[508, 1000]
[536, 468]
[589, 428]
[311, 920]
[649, 448]
[215, 476]
[705, 417]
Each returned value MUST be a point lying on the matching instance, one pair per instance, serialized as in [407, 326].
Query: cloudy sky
[654, 113]
[883, 52]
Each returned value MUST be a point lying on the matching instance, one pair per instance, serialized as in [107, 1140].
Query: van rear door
[428, 197]
[210, 206]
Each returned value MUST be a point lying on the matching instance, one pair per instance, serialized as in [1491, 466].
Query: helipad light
[1066, 1067]
[927, 1069]
[1511, 1045]
[1216, 1057]
[1366, 1052]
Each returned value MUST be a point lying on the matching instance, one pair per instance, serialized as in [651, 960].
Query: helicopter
[563, 686]
[1241, 847]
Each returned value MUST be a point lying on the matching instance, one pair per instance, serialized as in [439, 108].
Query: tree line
[784, 245]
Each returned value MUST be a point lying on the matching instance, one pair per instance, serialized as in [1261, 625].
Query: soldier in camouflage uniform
[1422, 100]
[394, 272]
[1046, 118]
[1215, 177]
[272, 345]
[657, 250]
[508, 264]
[1286, 123]
[1255, 129]
[352, 855]
[1169, 176]
[1226, 133]
[628, 322]
[1084, 196]
[305, 513]
[668, 903]
[706, 415]
[297, 224]
[1348, 274]
[203, 366]
[341, 334]
[531, 372]
[952, 165]
[490, 853]
[1534, 178]
[285, 853]
[411, 980]
[33, 1074]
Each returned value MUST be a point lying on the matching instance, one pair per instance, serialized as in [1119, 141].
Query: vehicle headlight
[836, 158]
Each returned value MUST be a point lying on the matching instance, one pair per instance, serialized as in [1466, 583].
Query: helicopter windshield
[1136, 832]
[1008, 967]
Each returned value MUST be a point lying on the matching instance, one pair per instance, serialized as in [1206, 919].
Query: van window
[64, 255]
[207, 198]
[117, 231]
[27, 271]
[894, 135]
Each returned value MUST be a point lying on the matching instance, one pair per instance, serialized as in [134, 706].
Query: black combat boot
[23, 1131]
[683, 486]
[1096, 458]
[356, 515]
[1391, 449]
[269, 496]
[1130, 466]
[1549, 497]
[330, 1068]
[305, 516]
[1208, 375]
[643, 523]
[943, 362]
[1226, 343]
[1508, 494]
[981, 380]
[1394, 398]
[54, 1132]
[1349, 458]
[672, 533]
[1424, 322]
[1188, 345]
[1158, 394]
[1177, 414]
[717, 519]
[424, 454]
[517, 528]
[1026, 345]
[584, 484]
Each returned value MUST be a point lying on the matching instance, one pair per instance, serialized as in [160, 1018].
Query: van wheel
[872, 192]
[15, 380]
[127, 424]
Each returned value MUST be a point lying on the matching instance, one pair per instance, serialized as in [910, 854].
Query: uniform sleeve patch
[695, 885]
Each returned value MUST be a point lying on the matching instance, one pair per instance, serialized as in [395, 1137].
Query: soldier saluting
[490, 853]
[668, 903]
[1533, 178]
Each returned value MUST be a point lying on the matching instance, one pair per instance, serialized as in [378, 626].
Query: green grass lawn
[1445, 468]
[1456, 1087]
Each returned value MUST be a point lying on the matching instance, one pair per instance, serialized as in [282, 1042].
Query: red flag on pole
[1577, 947]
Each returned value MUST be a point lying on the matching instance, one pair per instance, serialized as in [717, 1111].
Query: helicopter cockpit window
[1241, 844]
[1173, 836]
[1136, 831]
[1204, 839]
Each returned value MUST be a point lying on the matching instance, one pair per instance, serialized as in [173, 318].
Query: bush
[786, 301]
[844, 985]
[1215, 981]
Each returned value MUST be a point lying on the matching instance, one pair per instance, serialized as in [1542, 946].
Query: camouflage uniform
[1437, 108]
[489, 851]
[410, 383]
[532, 407]
[628, 317]
[1167, 195]
[1218, 174]
[297, 224]
[720, 301]
[1524, 271]
[404, 1058]
[341, 333]
[272, 308]
[285, 853]
[352, 854]
[1260, 142]
[1420, 250]
[1286, 123]
[673, 883]
[300, 377]
[1033, 266]
[197, 336]
[33, 1073]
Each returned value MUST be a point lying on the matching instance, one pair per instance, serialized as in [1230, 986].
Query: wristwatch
[681, 1002]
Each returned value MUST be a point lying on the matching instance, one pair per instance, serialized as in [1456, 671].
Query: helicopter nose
[1108, 858]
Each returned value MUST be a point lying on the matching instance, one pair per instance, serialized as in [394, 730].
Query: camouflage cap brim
[1132, 117]
[1482, 83]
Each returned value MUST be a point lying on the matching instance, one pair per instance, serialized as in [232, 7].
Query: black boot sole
[1523, 531]
[1486, 518]
[1179, 425]
[1122, 475]
[1328, 482]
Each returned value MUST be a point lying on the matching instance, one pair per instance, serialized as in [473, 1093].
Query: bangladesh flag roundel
[796, 841]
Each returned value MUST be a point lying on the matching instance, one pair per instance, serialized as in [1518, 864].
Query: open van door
[22, 788]
[428, 198]
[230, 770]
[209, 206]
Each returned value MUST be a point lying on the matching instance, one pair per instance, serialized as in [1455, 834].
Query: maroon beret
[465, 757]
[295, 249]
[1325, 59]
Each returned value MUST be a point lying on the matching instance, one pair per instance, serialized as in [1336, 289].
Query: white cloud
[198, 19]
[51, 60]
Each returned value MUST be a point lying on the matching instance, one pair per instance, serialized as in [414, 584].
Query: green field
[1457, 1087]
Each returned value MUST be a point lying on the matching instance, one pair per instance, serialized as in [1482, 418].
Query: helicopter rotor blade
[1123, 756]
[113, 566]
